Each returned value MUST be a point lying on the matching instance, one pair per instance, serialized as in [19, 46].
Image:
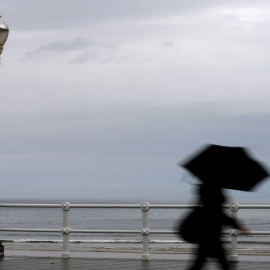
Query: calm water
[112, 219]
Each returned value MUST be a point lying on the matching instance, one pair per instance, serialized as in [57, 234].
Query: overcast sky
[102, 98]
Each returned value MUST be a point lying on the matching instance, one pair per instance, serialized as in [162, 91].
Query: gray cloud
[77, 43]
[82, 50]
[44, 15]
[153, 81]
[63, 45]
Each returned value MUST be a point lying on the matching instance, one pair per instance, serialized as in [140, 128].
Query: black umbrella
[226, 167]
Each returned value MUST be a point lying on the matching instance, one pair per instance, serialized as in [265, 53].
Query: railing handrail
[254, 206]
[113, 231]
[145, 231]
[164, 206]
[27, 205]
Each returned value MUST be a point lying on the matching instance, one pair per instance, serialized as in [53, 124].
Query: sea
[118, 219]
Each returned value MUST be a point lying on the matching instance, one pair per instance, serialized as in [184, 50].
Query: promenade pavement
[37, 263]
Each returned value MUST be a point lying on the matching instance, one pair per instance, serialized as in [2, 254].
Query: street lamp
[3, 34]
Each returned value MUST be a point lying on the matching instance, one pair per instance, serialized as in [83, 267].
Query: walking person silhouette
[217, 167]
[210, 220]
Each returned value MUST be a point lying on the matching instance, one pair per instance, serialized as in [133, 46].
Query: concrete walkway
[34, 263]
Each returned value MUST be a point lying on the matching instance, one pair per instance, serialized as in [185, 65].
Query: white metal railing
[144, 231]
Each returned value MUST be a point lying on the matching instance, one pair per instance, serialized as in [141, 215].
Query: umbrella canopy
[226, 167]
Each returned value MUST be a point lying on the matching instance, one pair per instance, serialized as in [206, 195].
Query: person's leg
[200, 260]
[222, 258]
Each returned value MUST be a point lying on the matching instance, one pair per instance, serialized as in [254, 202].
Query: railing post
[65, 230]
[234, 234]
[145, 231]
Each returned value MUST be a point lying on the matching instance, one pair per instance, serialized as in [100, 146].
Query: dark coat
[204, 224]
